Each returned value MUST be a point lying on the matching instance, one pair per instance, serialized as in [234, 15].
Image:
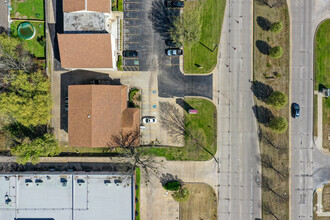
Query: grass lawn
[326, 198]
[202, 203]
[315, 116]
[201, 53]
[137, 192]
[32, 45]
[264, 68]
[205, 122]
[322, 69]
[28, 9]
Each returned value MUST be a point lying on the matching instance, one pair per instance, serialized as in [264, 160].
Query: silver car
[149, 120]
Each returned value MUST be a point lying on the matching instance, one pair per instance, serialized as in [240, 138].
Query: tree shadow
[165, 178]
[160, 16]
[321, 87]
[183, 104]
[264, 23]
[261, 90]
[263, 47]
[262, 114]
[19, 132]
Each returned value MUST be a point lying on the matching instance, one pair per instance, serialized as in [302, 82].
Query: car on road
[130, 53]
[295, 110]
[149, 120]
[173, 52]
[175, 4]
[172, 43]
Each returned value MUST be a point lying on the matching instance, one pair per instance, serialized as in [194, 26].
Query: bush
[278, 124]
[276, 27]
[277, 99]
[276, 52]
[278, 75]
[172, 185]
[181, 195]
[120, 63]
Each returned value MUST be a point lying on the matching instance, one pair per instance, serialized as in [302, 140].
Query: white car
[149, 120]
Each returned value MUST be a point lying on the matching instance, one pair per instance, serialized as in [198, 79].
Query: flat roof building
[66, 197]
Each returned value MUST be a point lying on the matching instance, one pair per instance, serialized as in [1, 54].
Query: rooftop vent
[118, 182]
[80, 182]
[28, 182]
[107, 182]
[64, 182]
[38, 181]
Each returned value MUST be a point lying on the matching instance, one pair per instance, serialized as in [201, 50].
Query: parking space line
[131, 10]
[132, 2]
[131, 58]
[131, 42]
[131, 18]
[131, 34]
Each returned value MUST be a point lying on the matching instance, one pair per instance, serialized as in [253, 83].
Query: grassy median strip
[137, 192]
[272, 74]
[204, 123]
[202, 57]
[322, 70]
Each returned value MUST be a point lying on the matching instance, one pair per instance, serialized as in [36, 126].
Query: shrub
[278, 124]
[278, 75]
[277, 99]
[172, 185]
[276, 52]
[120, 63]
[181, 195]
[276, 27]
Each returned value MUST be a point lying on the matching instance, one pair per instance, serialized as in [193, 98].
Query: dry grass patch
[272, 75]
[202, 203]
[326, 198]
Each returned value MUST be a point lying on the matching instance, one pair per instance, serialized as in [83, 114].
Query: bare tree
[129, 143]
[271, 3]
[267, 162]
[267, 140]
[268, 210]
[172, 120]
[267, 185]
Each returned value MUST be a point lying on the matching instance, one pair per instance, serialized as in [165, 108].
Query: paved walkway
[3, 15]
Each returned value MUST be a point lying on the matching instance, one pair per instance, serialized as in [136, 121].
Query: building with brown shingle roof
[97, 112]
[87, 5]
[86, 51]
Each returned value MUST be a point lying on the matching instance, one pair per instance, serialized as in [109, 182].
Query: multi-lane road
[239, 195]
[309, 166]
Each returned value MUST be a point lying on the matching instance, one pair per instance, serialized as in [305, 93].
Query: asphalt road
[308, 164]
[239, 195]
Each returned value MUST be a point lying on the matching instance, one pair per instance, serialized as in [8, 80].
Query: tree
[187, 28]
[129, 143]
[278, 124]
[27, 99]
[267, 185]
[172, 185]
[268, 210]
[276, 52]
[276, 27]
[40, 147]
[267, 162]
[271, 3]
[277, 99]
[13, 55]
[181, 195]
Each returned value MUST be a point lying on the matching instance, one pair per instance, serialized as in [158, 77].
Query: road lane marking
[132, 10]
[132, 42]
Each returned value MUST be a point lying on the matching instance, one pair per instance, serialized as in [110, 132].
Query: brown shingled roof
[85, 50]
[95, 114]
[91, 5]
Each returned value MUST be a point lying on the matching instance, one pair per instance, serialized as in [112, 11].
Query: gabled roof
[97, 112]
[85, 50]
[87, 5]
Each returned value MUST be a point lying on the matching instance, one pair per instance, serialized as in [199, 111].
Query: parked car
[172, 43]
[130, 53]
[295, 110]
[149, 120]
[175, 4]
[173, 52]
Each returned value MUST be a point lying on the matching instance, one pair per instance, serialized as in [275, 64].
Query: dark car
[175, 4]
[295, 110]
[173, 52]
[130, 53]
[172, 43]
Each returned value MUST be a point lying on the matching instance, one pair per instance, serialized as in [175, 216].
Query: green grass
[28, 9]
[120, 5]
[137, 191]
[37, 49]
[322, 55]
[315, 116]
[120, 63]
[204, 121]
[212, 17]
[70, 149]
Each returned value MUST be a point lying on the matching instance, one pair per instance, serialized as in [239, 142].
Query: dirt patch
[201, 205]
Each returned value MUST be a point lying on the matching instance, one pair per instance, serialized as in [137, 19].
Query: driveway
[3, 15]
